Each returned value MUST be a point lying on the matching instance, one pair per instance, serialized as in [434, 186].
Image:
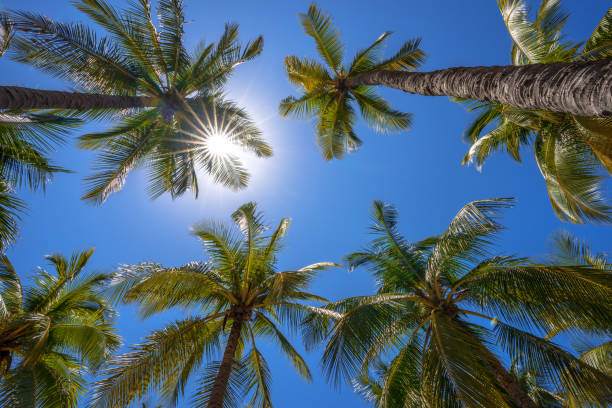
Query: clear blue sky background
[419, 171]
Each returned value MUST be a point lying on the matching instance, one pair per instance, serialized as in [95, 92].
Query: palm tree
[433, 295]
[169, 101]
[327, 93]
[238, 286]
[329, 100]
[53, 333]
[572, 152]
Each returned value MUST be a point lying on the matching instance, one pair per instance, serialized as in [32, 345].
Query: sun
[220, 144]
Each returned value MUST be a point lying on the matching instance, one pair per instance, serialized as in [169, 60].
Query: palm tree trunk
[509, 384]
[15, 97]
[580, 88]
[502, 376]
[217, 394]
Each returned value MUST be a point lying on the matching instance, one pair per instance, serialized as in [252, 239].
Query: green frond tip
[327, 38]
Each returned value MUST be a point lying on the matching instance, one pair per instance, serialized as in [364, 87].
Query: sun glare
[220, 144]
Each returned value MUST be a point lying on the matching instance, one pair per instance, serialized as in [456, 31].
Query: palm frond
[11, 208]
[306, 73]
[6, 33]
[263, 325]
[378, 113]
[460, 353]
[508, 136]
[74, 52]
[172, 19]
[367, 58]
[122, 32]
[599, 44]
[11, 291]
[554, 363]
[233, 392]
[320, 27]
[570, 250]
[153, 362]
[258, 379]
[118, 158]
[573, 179]
[467, 238]
[523, 294]
[160, 288]
[408, 58]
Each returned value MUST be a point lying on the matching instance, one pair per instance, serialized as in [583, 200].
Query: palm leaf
[320, 27]
[572, 179]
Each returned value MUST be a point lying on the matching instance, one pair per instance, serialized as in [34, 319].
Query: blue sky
[419, 171]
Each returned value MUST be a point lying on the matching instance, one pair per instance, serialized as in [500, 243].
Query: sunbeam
[221, 144]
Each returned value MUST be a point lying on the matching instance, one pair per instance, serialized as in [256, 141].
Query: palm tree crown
[572, 152]
[137, 58]
[238, 287]
[329, 99]
[427, 312]
[53, 334]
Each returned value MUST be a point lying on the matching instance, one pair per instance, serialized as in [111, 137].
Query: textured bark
[15, 97]
[579, 88]
[217, 394]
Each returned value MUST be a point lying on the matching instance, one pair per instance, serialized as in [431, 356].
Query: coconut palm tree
[238, 287]
[329, 100]
[328, 93]
[170, 102]
[53, 333]
[433, 296]
[572, 152]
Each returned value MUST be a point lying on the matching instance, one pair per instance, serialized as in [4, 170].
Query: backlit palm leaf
[143, 57]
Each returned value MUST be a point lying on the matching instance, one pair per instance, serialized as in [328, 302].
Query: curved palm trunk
[505, 379]
[16, 97]
[217, 394]
[502, 376]
[579, 88]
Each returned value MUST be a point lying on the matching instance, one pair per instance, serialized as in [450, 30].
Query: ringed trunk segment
[217, 395]
[16, 97]
[581, 88]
